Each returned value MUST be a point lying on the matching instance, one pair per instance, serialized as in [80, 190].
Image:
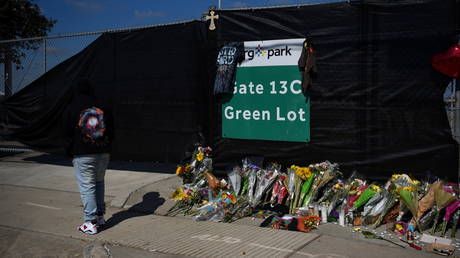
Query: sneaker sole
[87, 232]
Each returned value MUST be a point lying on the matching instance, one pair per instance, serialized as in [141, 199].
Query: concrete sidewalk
[41, 170]
[42, 199]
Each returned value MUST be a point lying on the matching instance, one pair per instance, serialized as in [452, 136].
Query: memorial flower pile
[308, 195]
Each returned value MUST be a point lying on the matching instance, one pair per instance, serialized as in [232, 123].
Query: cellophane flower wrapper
[245, 184]
[297, 187]
[244, 172]
[291, 184]
[305, 189]
[410, 200]
[252, 179]
[234, 177]
[427, 201]
[210, 212]
[202, 167]
[455, 218]
[186, 199]
[241, 209]
[450, 209]
[279, 191]
[328, 192]
[389, 201]
[339, 198]
[442, 198]
[356, 188]
[396, 182]
[341, 194]
[365, 196]
[216, 209]
[373, 202]
[324, 172]
[407, 189]
[427, 219]
[403, 180]
[332, 188]
[264, 180]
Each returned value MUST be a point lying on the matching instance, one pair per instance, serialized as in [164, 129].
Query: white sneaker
[100, 221]
[88, 228]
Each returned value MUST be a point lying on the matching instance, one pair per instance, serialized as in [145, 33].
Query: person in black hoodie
[90, 157]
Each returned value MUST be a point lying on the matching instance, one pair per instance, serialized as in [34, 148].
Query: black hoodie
[84, 98]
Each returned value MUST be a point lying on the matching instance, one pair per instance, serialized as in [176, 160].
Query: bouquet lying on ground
[365, 196]
[393, 187]
[443, 197]
[323, 173]
[304, 177]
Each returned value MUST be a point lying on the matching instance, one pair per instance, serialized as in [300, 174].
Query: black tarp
[153, 78]
[376, 106]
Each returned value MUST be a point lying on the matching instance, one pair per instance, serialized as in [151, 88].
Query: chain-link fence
[35, 62]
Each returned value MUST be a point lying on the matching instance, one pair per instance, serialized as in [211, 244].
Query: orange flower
[180, 170]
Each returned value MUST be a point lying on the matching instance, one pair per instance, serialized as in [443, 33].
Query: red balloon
[448, 62]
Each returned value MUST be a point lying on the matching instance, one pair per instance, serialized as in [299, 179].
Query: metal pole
[457, 125]
[44, 54]
[219, 5]
[8, 71]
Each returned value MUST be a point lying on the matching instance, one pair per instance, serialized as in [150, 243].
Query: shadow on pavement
[61, 160]
[149, 204]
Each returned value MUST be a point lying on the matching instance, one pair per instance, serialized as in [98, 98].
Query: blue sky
[92, 15]
[77, 16]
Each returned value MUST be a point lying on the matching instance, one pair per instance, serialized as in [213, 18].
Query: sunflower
[180, 170]
[179, 194]
[200, 156]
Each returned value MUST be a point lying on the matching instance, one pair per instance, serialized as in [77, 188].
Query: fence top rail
[284, 6]
[95, 32]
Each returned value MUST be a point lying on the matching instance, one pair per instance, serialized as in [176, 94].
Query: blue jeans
[89, 170]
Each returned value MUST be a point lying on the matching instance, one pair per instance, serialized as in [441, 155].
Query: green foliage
[21, 19]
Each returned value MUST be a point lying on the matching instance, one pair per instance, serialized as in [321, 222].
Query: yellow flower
[375, 188]
[302, 172]
[179, 194]
[398, 227]
[414, 182]
[395, 177]
[338, 186]
[200, 156]
[409, 188]
[179, 170]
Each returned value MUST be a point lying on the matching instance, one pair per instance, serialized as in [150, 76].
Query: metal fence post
[8, 71]
[456, 132]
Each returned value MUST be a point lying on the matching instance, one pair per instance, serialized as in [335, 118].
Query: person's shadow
[150, 202]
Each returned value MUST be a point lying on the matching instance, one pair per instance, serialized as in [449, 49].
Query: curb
[119, 201]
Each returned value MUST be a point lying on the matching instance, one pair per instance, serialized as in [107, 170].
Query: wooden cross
[211, 17]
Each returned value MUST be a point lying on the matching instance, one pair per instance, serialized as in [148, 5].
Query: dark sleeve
[240, 58]
[303, 58]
